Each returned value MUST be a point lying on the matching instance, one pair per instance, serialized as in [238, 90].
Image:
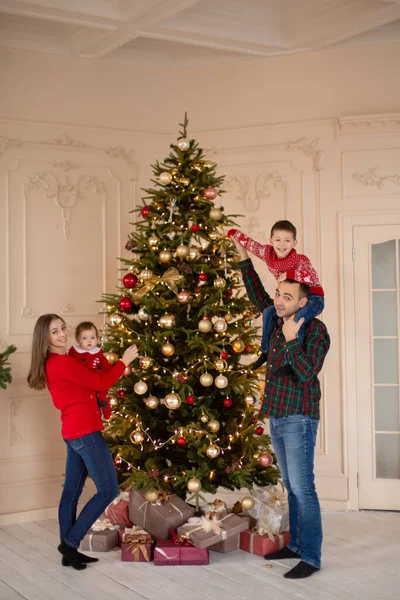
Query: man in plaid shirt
[291, 400]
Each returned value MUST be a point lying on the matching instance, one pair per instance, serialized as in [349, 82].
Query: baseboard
[29, 515]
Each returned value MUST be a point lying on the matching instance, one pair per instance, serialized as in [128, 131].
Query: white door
[377, 315]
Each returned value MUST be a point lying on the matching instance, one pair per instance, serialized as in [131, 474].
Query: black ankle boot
[82, 557]
[71, 556]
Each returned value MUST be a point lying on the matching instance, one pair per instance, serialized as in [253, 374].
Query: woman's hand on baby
[130, 354]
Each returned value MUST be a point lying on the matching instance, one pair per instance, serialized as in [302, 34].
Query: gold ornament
[212, 451]
[168, 349]
[204, 325]
[220, 364]
[208, 164]
[194, 485]
[151, 496]
[235, 279]
[219, 283]
[215, 214]
[172, 401]
[111, 357]
[167, 321]
[194, 253]
[137, 436]
[152, 401]
[220, 325]
[247, 503]
[183, 145]
[182, 251]
[213, 425]
[146, 274]
[183, 297]
[165, 256]
[228, 317]
[206, 379]
[214, 236]
[153, 241]
[145, 362]
[140, 387]
[165, 178]
[198, 167]
[143, 314]
[221, 381]
[184, 180]
[109, 308]
[204, 418]
[250, 400]
[115, 319]
[238, 345]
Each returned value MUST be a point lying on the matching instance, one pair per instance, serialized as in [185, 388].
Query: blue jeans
[87, 455]
[313, 308]
[293, 439]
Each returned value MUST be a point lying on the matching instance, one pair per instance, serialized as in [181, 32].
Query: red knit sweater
[296, 266]
[73, 391]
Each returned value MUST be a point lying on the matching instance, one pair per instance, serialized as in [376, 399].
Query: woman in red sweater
[73, 390]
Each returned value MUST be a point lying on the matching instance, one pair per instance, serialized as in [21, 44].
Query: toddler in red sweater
[284, 263]
[91, 356]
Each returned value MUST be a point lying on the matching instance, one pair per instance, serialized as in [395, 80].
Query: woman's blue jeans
[293, 438]
[87, 455]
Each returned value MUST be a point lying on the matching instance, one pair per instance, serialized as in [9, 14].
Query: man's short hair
[304, 289]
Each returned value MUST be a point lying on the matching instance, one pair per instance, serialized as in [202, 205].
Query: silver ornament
[204, 325]
[172, 401]
[152, 401]
[140, 387]
[206, 380]
[143, 314]
[183, 145]
[220, 325]
[212, 451]
[166, 321]
[221, 381]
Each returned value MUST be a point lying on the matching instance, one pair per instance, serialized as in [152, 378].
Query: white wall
[277, 129]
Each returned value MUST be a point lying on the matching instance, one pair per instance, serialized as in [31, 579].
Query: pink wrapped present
[118, 510]
[251, 541]
[137, 548]
[204, 532]
[169, 552]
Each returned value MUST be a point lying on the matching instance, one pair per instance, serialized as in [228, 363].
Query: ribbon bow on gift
[121, 496]
[180, 540]
[103, 524]
[170, 278]
[135, 530]
[211, 523]
[137, 544]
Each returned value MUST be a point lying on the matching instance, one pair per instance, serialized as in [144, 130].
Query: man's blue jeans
[87, 455]
[293, 439]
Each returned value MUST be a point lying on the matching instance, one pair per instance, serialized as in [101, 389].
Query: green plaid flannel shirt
[299, 393]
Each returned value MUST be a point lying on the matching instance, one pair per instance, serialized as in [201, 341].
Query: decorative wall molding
[124, 153]
[66, 309]
[373, 179]
[252, 194]
[27, 312]
[66, 165]
[7, 143]
[65, 140]
[309, 148]
[66, 193]
[369, 124]
[15, 436]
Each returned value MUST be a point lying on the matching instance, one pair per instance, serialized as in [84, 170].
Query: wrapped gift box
[125, 533]
[205, 533]
[168, 553]
[251, 541]
[118, 510]
[136, 547]
[160, 517]
[217, 508]
[270, 509]
[102, 537]
[228, 545]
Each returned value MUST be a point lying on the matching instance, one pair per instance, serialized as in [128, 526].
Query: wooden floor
[361, 558]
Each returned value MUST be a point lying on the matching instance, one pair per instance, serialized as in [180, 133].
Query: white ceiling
[183, 33]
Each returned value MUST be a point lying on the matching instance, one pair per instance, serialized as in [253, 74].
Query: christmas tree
[184, 416]
[5, 368]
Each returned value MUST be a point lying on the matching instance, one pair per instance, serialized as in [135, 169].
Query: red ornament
[265, 459]
[189, 399]
[247, 348]
[228, 293]
[145, 211]
[259, 430]
[205, 317]
[203, 277]
[210, 193]
[224, 355]
[195, 227]
[253, 420]
[227, 402]
[129, 280]
[125, 304]
[121, 393]
[181, 441]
